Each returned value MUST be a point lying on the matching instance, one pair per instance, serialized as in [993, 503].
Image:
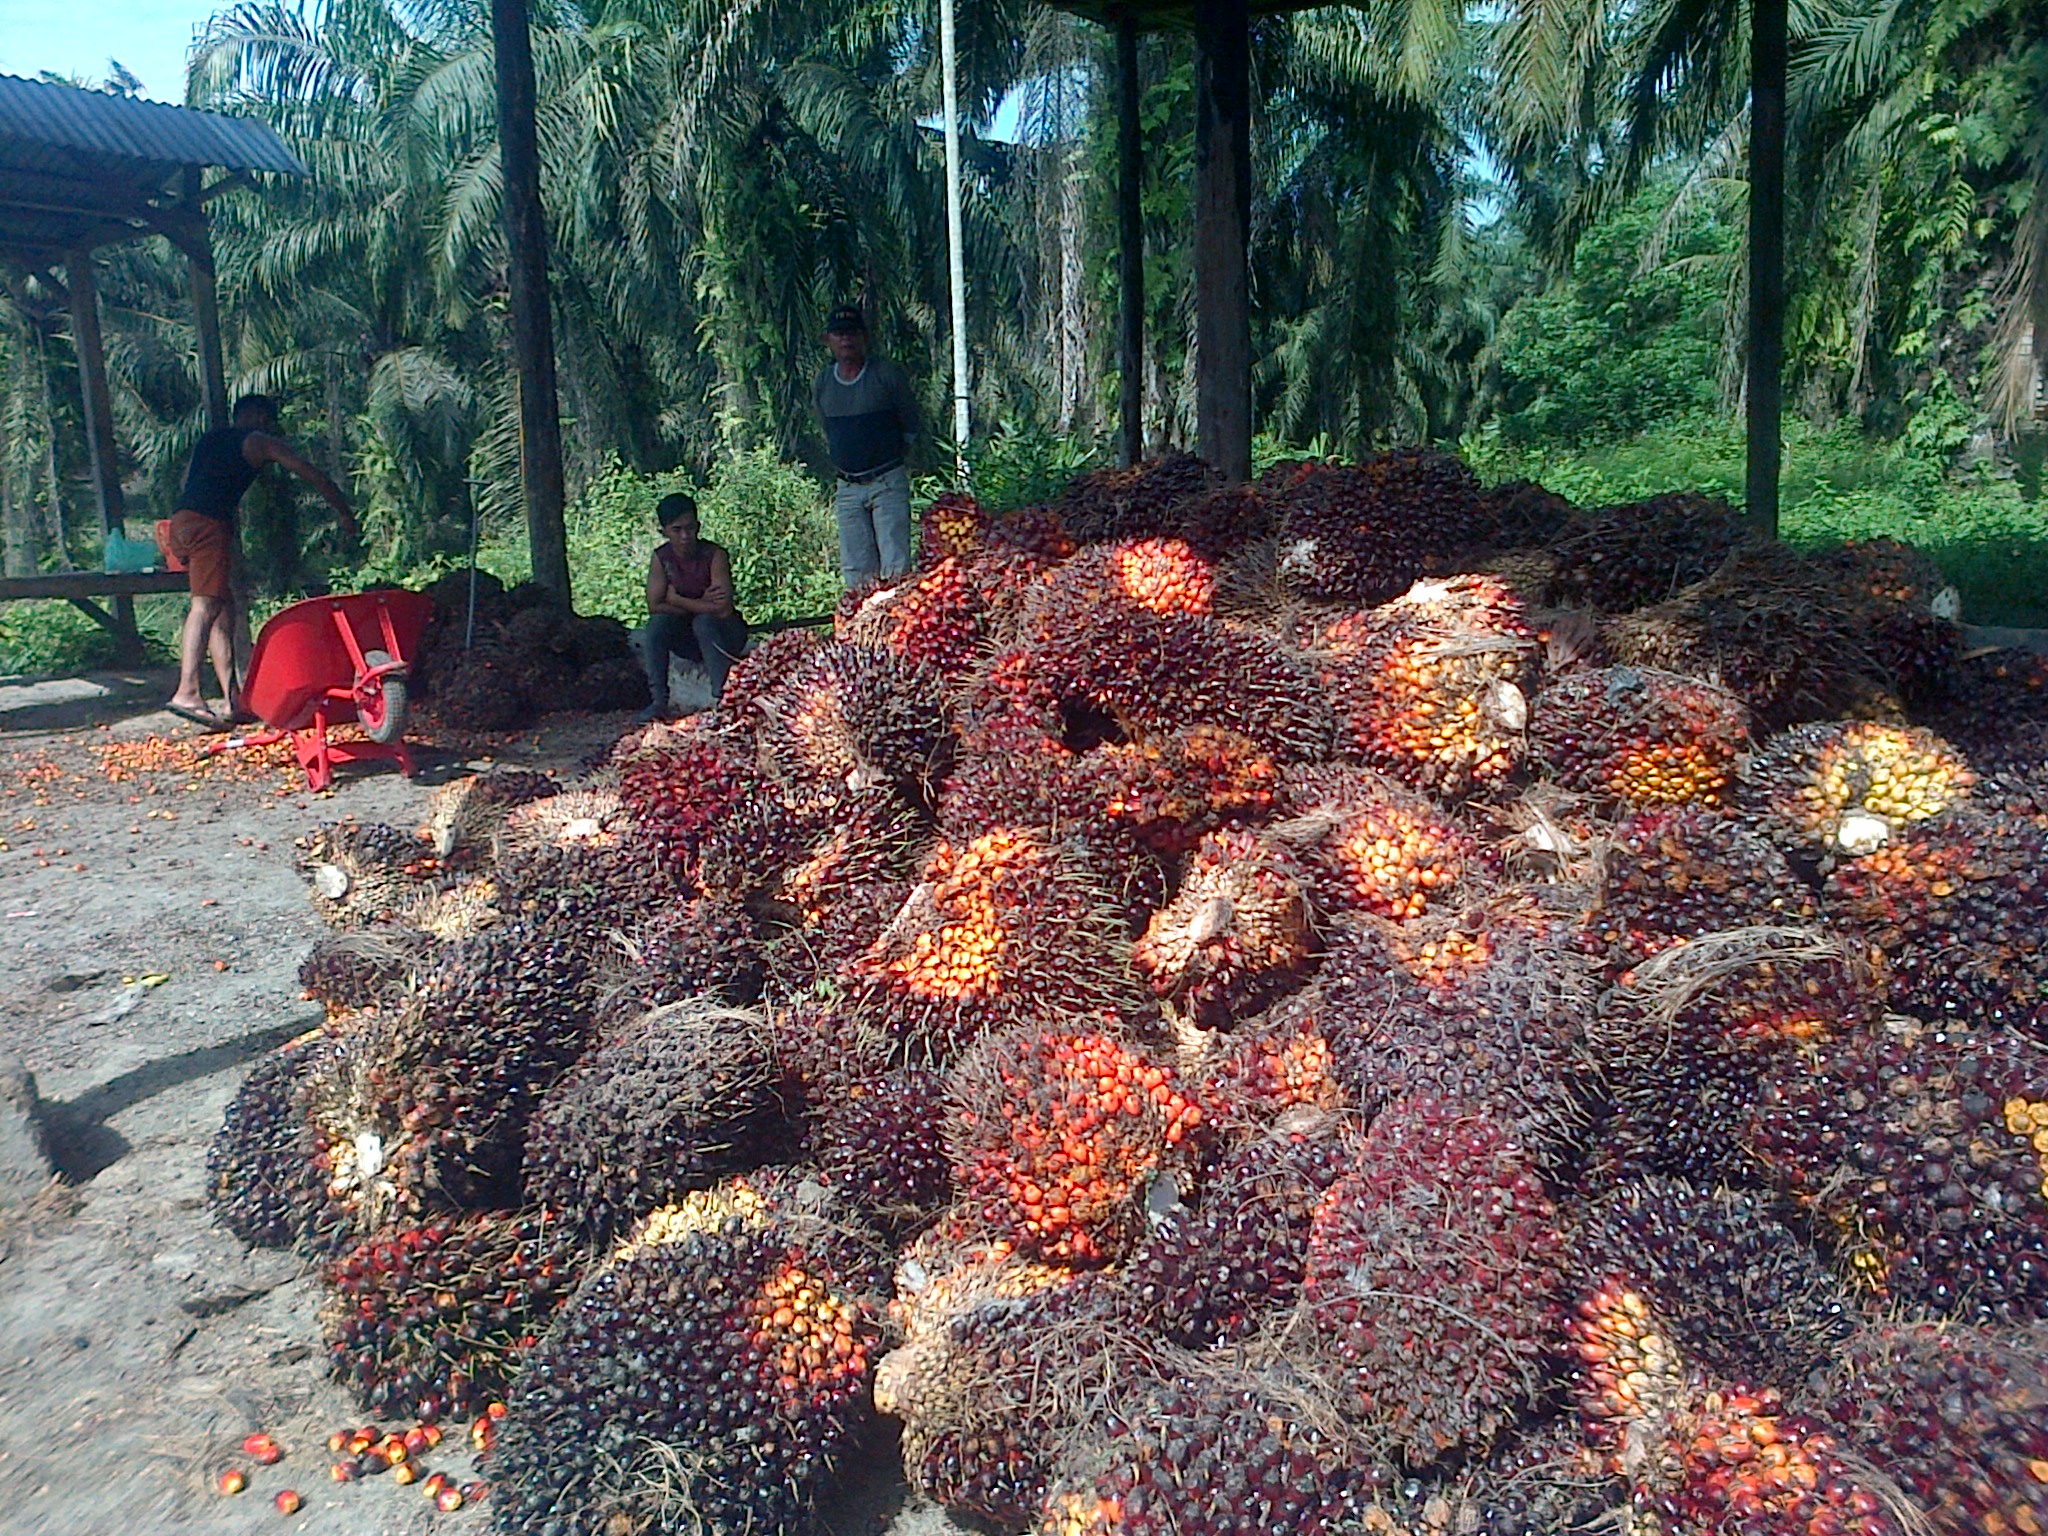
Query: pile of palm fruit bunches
[1354, 1003]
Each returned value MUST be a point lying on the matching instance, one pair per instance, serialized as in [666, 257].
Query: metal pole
[955, 251]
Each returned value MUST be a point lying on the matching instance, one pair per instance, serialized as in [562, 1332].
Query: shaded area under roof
[80, 169]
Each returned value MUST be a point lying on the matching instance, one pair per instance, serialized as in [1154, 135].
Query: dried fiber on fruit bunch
[1672, 874]
[711, 1376]
[1212, 1452]
[1916, 1153]
[430, 1320]
[259, 1182]
[999, 1361]
[1484, 1008]
[359, 873]
[458, 911]
[857, 717]
[1056, 1134]
[1727, 1285]
[1432, 687]
[364, 968]
[1361, 533]
[1955, 904]
[1274, 1076]
[1434, 1274]
[666, 1104]
[1638, 735]
[1373, 845]
[955, 525]
[1542, 1482]
[1107, 504]
[1002, 930]
[1157, 575]
[709, 948]
[1773, 630]
[1850, 786]
[1620, 558]
[466, 813]
[1520, 514]
[1236, 934]
[1909, 609]
[1216, 1271]
[578, 860]
[1959, 1417]
[478, 691]
[937, 618]
[762, 670]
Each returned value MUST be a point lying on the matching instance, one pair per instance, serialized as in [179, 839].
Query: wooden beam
[1764, 387]
[213, 379]
[1130, 248]
[1223, 219]
[91, 348]
[533, 339]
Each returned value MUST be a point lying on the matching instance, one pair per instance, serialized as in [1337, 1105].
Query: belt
[870, 476]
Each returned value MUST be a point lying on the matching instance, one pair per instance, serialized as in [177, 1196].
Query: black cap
[846, 320]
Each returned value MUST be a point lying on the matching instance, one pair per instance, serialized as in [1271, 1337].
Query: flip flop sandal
[202, 716]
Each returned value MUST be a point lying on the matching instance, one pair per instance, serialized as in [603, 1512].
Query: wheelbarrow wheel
[382, 710]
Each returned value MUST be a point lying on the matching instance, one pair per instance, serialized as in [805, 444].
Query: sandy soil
[138, 1341]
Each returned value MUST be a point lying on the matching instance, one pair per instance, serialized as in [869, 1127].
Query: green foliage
[39, 637]
[1024, 465]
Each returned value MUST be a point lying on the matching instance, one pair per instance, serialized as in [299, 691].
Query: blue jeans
[874, 527]
[704, 638]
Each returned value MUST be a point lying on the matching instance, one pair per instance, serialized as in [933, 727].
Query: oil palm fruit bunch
[1995, 707]
[1269, 1076]
[1108, 504]
[954, 525]
[1360, 534]
[459, 910]
[1542, 1481]
[1638, 736]
[1182, 1457]
[1957, 1416]
[1373, 845]
[1168, 789]
[1056, 1134]
[479, 690]
[1909, 609]
[810, 953]
[684, 790]
[579, 859]
[465, 812]
[1004, 929]
[1954, 903]
[857, 717]
[937, 618]
[1520, 514]
[711, 1375]
[359, 873]
[761, 671]
[1217, 524]
[259, 1181]
[361, 968]
[366, 1167]
[1432, 686]
[871, 836]
[605, 686]
[708, 949]
[1916, 1153]
[1620, 558]
[1434, 1275]
[670, 1102]
[1236, 934]
[1157, 575]
[430, 1320]
[1849, 786]
[876, 1137]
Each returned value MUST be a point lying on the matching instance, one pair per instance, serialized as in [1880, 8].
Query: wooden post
[1130, 224]
[1765, 385]
[198, 248]
[533, 337]
[1223, 221]
[91, 348]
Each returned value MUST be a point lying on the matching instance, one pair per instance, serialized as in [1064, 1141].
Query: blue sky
[77, 37]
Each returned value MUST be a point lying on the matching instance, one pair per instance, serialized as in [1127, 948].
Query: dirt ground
[139, 1342]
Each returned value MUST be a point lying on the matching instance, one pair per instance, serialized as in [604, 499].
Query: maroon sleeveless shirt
[686, 578]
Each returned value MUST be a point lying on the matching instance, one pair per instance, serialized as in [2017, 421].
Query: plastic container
[128, 557]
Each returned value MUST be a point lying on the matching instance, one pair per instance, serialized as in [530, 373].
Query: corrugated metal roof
[94, 123]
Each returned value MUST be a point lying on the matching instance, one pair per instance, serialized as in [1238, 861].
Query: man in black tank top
[225, 463]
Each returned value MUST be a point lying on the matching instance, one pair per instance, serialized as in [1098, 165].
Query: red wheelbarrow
[328, 661]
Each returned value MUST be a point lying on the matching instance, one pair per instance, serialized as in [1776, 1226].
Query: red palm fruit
[1850, 786]
[1360, 534]
[1638, 735]
[1373, 845]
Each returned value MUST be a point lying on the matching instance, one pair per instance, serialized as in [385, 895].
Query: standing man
[225, 464]
[870, 420]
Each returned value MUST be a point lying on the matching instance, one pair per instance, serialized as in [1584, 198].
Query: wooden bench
[79, 588]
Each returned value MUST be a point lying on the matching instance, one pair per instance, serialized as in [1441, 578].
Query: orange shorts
[207, 546]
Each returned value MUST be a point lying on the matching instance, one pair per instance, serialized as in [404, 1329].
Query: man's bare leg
[193, 643]
[220, 645]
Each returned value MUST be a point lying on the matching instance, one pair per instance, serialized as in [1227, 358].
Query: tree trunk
[17, 522]
[533, 339]
[1130, 223]
[1765, 385]
[53, 507]
[1223, 217]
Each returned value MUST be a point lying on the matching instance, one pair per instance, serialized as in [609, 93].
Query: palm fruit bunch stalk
[708, 948]
[1954, 904]
[1157, 575]
[359, 873]
[1620, 558]
[1056, 1134]
[1372, 845]
[361, 968]
[1219, 1270]
[1959, 1417]
[366, 1168]
[1995, 708]
[1909, 610]
[259, 1181]
[1849, 786]
[579, 862]
[1777, 633]
[1919, 1156]
[662, 1105]
[1362, 533]
[467, 812]
[461, 909]
[1005, 929]
[1109, 504]
[1183, 1456]
[1501, 1026]
[1675, 873]
[937, 618]
[856, 717]
[1432, 687]
[430, 1320]
[1638, 736]
[1433, 1281]
[1236, 934]
[710, 1375]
